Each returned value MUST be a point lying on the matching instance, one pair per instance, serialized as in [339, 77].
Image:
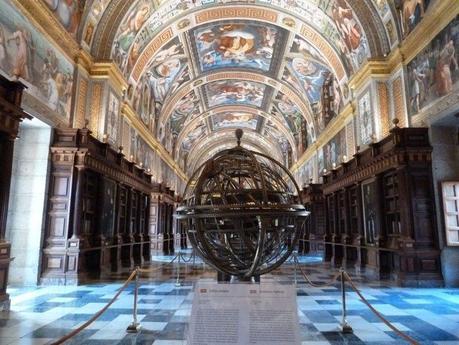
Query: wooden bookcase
[380, 211]
[98, 210]
[314, 230]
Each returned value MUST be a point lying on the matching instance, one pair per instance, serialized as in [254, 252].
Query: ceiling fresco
[335, 20]
[293, 58]
[236, 44]
[306, 71]
[206, 149]
[195, 135]
[165, 73]
[287, 110]
[230, 92]
[234, 120]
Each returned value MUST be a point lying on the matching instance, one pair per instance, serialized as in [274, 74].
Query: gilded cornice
[335, 126]
[110, 71]
[130, 114]
[84, 60]
[374, 68]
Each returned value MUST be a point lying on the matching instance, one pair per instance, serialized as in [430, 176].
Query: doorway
[26, 210]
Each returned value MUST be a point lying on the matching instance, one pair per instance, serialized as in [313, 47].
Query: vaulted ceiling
[197, 70]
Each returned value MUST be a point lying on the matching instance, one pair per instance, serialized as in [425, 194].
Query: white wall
[445, 166]
[27, 201]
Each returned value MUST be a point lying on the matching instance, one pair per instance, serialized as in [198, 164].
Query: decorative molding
[443, 106]
[96, 107]
[350, 139]
[110, 72]
[150, 50]
[383, 108]
[136, 123]
[399, 104]
[324, 47]
[236, 12]
[79, 121]
[374, 68]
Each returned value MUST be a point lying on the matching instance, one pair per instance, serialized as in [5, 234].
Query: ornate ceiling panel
[228, 92]
[237, 44]
[235, 120]
[199, 69]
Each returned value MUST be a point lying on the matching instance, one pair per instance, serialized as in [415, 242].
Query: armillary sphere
[242, 212]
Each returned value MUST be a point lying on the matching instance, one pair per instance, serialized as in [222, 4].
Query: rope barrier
[135, 326]
[96, 316]
[344, 325]
[193, 255]
[143, 270]
[134, 274]
[378, 314]
[332, 281]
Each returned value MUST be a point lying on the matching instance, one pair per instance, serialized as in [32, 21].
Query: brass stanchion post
[345, 327]
[135, 326]
[177, 282]
[295, 262]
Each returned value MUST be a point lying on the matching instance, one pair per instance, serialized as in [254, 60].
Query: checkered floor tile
[42, 314]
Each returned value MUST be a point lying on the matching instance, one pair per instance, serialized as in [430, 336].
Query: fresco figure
[347, 25]
[192, 136]
[135, 19]
[238, 44]
[166, 72]
[4, 63]
[21, 62]
[26, 54]
[366, 123]
[306, 71]
[112, 118]
[295, 121]
[68, 12]
[446, 62]
[417, 80]
[226, 120]
[351, 42]
[411, 12]
[270, 130]
[52, 92]
[235, 92]
[434, 72]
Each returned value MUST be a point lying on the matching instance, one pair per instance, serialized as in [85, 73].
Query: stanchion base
[133, 328]
[346, 328]
[178, 284]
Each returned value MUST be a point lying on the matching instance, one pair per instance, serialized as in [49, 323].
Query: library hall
[229, 172]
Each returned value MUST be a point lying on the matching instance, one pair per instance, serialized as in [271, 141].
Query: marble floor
[40, 315]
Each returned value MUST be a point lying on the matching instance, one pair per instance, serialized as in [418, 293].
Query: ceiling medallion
[183, 24]
[287, 21]
[198, 82]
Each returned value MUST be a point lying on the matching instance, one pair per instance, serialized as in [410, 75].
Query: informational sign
[244, 314]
